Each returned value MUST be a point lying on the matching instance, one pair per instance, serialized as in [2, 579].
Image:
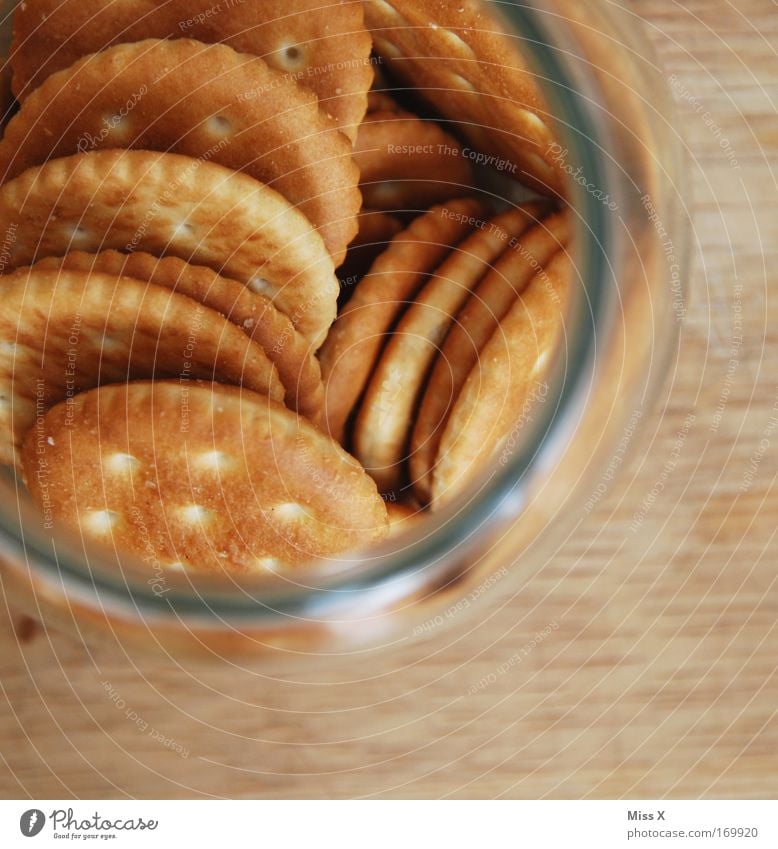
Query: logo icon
[31, 822]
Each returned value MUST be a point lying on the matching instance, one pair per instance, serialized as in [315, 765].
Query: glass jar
[619, 147]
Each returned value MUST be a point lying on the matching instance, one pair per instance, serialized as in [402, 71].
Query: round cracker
[406, 163]
[381, 101]
[383, 424]
[324, 46]
[357, 337]
[376, 230]
[165, 203]
[62, 332]
[208, 478]
[459, 58]
[401, 517]
[474, 326]
[254, 314]
[499, 392]
[186, 97]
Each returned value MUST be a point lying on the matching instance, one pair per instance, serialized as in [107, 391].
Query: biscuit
[201, 477]
[62, 332]
[376, 230]
[357, 337]
[324, 46]
[508, 379]
[381, 101]
[165, 203]
[383, 424]
[190, 98]
[474, 326]
[254, 314]
[401, 517]
[460, 60]
[406, 163]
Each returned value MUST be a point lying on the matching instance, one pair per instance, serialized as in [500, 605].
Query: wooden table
[657, 672]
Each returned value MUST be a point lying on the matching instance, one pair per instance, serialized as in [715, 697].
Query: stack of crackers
[259, 308]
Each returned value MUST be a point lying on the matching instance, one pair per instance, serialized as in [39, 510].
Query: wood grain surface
[635, 664]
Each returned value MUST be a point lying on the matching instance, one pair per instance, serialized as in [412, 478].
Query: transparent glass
[614, 117]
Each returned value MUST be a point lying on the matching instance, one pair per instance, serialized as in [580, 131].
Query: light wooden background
[658, 677]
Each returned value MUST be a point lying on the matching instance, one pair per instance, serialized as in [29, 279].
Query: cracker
[186, 97]
[474, 326]
[324, 46]
[401, 517]
[357, 337]
[254, 314]
[201, 477]
[376, 230]
[508, 380]
[65, 331]
[381, 101]
[382, 427]
[408, 163]
[164, 203]
[459, 59]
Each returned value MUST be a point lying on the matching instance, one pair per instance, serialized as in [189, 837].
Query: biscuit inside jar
[380, 240]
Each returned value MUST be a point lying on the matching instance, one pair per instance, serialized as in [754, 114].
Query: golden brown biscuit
[201, 477]
[376, 230]
[474, 326]
[186, 97]
[383, 425]
[165, 203]
[406, 163]
[324, 46]
[458, 58]
[508, 379]
[254, 314]
[62, 332]
[357, 337]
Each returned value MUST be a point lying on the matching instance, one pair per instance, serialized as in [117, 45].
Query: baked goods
[165, 203]
[458, 57]
[406, 163]
[254, 314]
[66, 331]
[245, 486]
[473, 326]
[508, 379]
[173, 168]
[357, 337]
[322, 46]
[185, 97]
[383, 426]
